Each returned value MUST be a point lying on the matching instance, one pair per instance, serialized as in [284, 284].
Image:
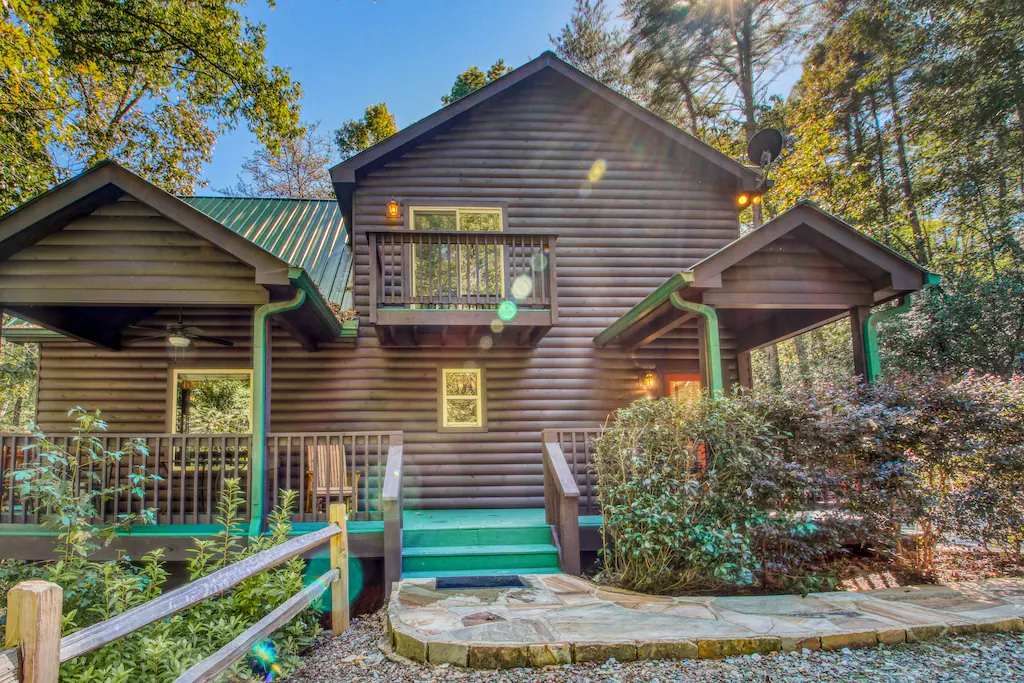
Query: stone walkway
[561, 619]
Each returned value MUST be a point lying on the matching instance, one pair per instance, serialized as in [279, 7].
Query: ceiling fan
[178, 335]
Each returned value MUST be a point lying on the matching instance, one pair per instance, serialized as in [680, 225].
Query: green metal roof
[307, 233]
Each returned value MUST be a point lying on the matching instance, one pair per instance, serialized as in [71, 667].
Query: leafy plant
[66, 482]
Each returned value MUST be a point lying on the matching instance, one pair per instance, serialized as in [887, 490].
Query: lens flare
[585, 190]
[486, 342]
[597, 170]
[497, 326]
[507, 310]
[522, 286]
[539, 260]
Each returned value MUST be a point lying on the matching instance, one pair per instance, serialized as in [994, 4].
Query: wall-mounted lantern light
[394, 210]
[648, 380]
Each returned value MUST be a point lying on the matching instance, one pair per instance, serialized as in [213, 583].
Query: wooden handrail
[224, 658]
[561, 503]
[391, 505]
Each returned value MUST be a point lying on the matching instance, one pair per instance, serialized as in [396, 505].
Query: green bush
[95, 591]
[699, 496]
[718, 492]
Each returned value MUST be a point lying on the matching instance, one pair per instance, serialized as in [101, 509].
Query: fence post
[33, 625]
[339, 561]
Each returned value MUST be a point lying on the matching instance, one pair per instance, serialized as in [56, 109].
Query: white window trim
[172, 409]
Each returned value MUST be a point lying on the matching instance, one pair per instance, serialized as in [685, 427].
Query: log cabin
[520, 263]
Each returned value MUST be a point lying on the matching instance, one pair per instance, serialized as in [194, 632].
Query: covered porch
[804, 269]
[130, 290]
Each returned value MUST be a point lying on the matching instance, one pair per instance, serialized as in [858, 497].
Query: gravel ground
[986, 658]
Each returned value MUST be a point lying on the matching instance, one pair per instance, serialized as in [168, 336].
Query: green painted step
[522, 535]
[478, 558]
[478, 572]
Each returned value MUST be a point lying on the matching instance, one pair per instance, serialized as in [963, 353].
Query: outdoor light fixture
[393, 209]
[178, 341]
[747, 198]
[743, 200]
[755, 200]
[649, 380]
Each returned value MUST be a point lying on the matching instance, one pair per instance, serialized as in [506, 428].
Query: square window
[461, 399]
[211, 401]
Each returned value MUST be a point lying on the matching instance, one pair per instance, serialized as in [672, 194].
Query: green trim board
[642, 310]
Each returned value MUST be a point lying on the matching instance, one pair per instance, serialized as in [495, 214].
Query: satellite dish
[765, 147]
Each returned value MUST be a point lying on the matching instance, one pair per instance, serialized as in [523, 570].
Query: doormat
[464, 582]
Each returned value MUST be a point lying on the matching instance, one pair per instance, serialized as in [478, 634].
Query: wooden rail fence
[36, 648]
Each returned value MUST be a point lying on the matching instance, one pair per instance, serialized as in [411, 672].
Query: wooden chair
[327, 463]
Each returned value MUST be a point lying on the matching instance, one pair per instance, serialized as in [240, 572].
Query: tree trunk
[883, 183]
[803, 365]
[774, 369]
[920, 243]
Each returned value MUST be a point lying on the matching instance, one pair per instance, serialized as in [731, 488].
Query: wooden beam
[33, 625]
[671, 319]
[784, 325]
[75, 323]
[834, 301]
[858, 318]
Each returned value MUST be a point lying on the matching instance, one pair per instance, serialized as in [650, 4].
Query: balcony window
[469, 268]
[461, 400]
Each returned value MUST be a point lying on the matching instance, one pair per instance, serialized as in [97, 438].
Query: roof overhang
[107, 182]
[890, 275]
[345, 175]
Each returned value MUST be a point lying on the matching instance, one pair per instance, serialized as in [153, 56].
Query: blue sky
[348, 54]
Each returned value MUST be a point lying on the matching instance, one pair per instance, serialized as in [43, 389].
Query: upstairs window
[461, 400]
[458, 268]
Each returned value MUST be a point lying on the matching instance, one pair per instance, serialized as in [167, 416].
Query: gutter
[301, 281]
[260, 365]
[874, 359]
[712, 341]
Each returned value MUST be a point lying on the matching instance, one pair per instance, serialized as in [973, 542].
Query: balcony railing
[193, 469]
[465, 271]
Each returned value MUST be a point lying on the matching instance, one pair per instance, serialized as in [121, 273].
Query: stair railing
[391, 507]
[561, 503]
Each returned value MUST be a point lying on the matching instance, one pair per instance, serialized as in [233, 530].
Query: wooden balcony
[462, 288]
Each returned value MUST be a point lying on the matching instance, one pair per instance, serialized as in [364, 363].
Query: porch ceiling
[802, 270]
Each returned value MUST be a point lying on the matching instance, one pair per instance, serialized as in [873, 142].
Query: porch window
[461, 400]
[215, 401]
[683, 387]
[471, 267]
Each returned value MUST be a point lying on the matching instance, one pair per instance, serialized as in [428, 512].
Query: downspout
[712, 344]
[873, 357]
[257, 452]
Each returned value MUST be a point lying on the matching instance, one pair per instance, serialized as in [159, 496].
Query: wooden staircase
[477, 543]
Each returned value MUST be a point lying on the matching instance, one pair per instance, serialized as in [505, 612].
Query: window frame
[442, 399]
[172, 391]
[500, 208]
[687, 377]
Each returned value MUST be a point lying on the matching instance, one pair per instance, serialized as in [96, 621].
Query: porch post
[743, 370]
[712, 347]
[858, 320]
[261, 405]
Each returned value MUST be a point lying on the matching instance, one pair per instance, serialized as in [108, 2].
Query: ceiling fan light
[178, 341]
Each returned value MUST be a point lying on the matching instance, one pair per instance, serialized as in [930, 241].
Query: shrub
[700, 496]
[716, 493]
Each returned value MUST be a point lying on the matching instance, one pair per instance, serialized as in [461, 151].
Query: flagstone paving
[558, 619]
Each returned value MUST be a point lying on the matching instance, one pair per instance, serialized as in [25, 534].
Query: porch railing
[292, 464]
[468, 270]
[192, 470]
